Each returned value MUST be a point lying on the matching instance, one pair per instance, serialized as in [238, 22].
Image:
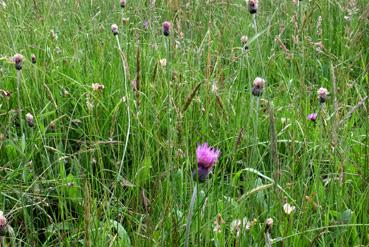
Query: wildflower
[288, 209]
[114, 29]
[18, 59]
[97, 87]
[123, 3]
[258, 86]
[3, 223]
[313, 116]
[33, 58]
[206, 158]
[166, 28]
[253, 6]
[163, 62]
[30, 120]
[322, 94]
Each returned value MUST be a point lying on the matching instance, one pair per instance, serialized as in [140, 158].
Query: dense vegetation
[99, 130]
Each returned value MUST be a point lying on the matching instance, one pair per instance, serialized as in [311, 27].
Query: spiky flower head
[322, 94]
[258, 86]
[166, 28]
[206, 158]
[253, 6]
[3, 223]
[313, 116]
[123, 3]
[18, 59]
[114, 29]
[244, 39]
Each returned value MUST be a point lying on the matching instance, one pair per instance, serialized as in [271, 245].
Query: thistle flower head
[166, 28]
[244, 39]
[3, 222]
[322, 94]
[313, 116]
[18, 59]
[253, 6]
[258, 86]
[123, 3]
[114, 29]
[30, 120]
[206, 158]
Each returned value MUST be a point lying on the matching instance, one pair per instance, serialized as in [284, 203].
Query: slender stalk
[189, 216]
[128, 116]
[19, 78]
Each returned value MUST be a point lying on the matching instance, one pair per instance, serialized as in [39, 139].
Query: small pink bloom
[166, 28]
[313, 116]
[206, 156]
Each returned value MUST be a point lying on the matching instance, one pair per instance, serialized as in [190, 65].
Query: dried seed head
[18, 59]
[322, 94]
[288, 209]
[253, 6]
[97, 87]
[163, 62]
[114, 29]
[166, 28]
[33, 58]
[30, 120]
[125, 21]
[123, 3]
[258, 86]
[244, 39]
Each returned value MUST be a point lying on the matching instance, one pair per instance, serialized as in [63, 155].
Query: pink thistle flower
[123, 3]
[206, 158]
[114, 29]
[313, 116]
[18, 59]
[253, 6]
[322, 94]
[166, 28]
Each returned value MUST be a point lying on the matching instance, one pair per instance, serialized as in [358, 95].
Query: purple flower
[313, 116]
[146, 24]
[206, 158]
[166, 28]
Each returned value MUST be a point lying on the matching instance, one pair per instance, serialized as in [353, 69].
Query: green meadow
[99, 129]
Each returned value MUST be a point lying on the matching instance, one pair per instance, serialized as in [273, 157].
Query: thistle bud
[18, 59]
[33, 58]
[166, 28]
[30, 120]
[322, 94]
[244, 40]
[253, 6]
[123, 3]
[258, 86]
[114, 29]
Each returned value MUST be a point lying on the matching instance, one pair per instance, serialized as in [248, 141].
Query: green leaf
[122, 233]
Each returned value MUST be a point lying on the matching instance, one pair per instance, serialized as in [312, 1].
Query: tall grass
[65, 183]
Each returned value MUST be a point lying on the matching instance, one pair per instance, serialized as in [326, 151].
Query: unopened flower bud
[322, 94]
[33, 58]
[244, 40]
[166, 28]
[114, 29]
[18, 59]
